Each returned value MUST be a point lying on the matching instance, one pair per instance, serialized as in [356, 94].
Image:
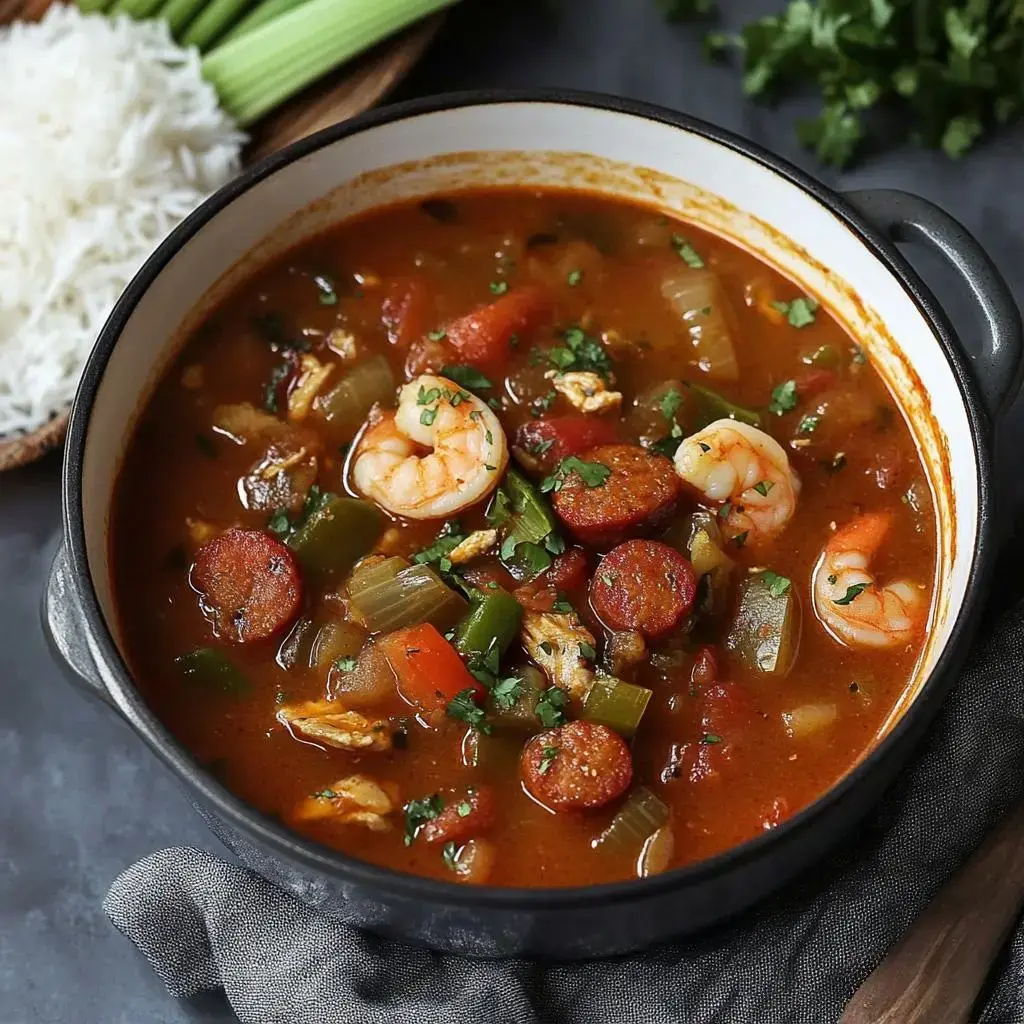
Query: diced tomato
[567, 573]
[407, 311]
[814, 382]
[429, 670]
[483, 337]
[553, 439]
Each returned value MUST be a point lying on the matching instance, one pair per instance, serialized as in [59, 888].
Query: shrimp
[469, 451]
[855, 609]
[746, 472]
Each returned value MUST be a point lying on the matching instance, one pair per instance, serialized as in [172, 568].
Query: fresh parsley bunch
[945, 70]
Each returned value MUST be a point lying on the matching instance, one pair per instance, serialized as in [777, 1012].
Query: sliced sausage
[462, 818]
[639, 495]
[249, 584]
[484, 336]
[577, 766]
[551, 440]
[643, 585]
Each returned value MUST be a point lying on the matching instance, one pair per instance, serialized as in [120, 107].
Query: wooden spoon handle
[934, 973]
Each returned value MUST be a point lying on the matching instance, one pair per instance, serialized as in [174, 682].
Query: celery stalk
[137, 9]
[92, 6]
[213, 21]
[178, 14]
[254, 72]
[260, 15]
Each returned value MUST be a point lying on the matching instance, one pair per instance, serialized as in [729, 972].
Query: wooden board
[350, 90]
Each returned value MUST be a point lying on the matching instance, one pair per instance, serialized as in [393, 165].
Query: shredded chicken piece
[200, 531]
[269, 471]
[356, 800]
[243, 422]
[553, 641]
[343, 343]
[477, 543]
[312, 374]
[327, 721]
[586, 391]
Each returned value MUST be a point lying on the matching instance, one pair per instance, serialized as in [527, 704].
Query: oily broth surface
[178, 470]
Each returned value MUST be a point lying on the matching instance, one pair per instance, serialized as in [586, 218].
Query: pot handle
[904, 217]
[65, 630]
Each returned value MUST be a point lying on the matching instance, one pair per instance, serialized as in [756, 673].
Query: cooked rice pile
[108, 137]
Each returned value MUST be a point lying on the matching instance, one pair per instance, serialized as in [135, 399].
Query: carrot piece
[429, 670]
[484, 336]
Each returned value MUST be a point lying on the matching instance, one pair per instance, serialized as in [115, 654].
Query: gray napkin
[206, 924]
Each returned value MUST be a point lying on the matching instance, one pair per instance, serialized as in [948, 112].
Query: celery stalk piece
[93, 6]
[213, 21]
[260, 15]
[254, 72]
[179, 13]
[137, 9]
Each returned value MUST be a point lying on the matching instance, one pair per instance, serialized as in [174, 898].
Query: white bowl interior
[557, 145]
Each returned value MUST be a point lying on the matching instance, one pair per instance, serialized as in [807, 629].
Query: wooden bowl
[350, 90]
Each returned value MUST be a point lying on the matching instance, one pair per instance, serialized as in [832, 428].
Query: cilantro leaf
[784, 398]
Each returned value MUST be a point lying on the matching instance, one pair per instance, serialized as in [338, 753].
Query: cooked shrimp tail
[855, 608]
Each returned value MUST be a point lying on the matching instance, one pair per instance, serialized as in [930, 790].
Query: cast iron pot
[839, 248]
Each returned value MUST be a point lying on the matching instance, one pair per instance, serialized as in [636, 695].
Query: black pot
[839, 247]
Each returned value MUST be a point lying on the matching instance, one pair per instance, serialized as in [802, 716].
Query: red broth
[248, 631]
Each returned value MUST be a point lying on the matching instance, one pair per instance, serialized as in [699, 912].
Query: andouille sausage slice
[462, 818]
[643, 585]
[578, 766]
[249, 584]
[639, 494]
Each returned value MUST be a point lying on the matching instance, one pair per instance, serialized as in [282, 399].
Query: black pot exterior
[554, 924]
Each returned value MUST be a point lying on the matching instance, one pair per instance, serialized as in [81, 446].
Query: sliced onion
[699, 299]
[390, 594]
[657, 853]
[345, 406]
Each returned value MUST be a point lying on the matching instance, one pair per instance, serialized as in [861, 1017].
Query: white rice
[109, 137]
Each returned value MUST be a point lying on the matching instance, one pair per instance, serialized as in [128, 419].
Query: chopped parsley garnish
[799, 312]
[777, 585]
[851, 592]
[808, 424]
[542, 404]
[539, 448]
[710, 738]
[506, 692]
[324, 285]
[280, 697]
[279, 524]
[763, 487]
[426, 396]
[562, 607]
[587, 652]
[450, 855]
[439, 335]
[741, 538]
[580, 353]
[499, 287]
[547, 759]
[670, 403]
[464, 808]
[449, 537]
[784, 398]
[467, 377]
[574, 278]
[550, 707]
[464, 707]
[325, 794]
[726, 510]
[278, 374]
[282, 526]
[428, 416]
[687, 253]
[833, 579]
[346, 664]
[419, 812]
[592, 474]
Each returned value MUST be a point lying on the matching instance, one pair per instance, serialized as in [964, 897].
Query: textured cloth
[205, 924]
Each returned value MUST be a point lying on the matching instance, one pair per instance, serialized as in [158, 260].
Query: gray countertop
[81, 798]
